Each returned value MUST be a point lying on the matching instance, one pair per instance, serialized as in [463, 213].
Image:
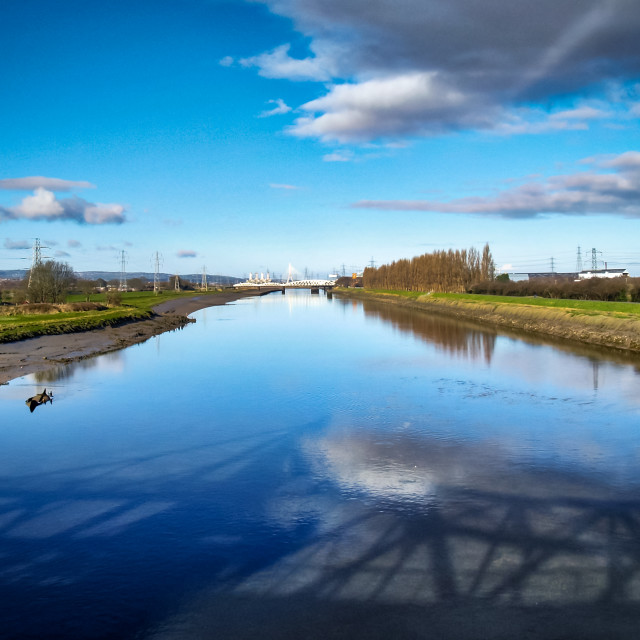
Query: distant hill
[19, 274]
[13, 274]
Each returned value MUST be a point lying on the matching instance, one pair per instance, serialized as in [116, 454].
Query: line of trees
[442, 271]
[52, 281]
[604, 289]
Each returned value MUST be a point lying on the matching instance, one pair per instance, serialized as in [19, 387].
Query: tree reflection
[71, 369]
[456, 337]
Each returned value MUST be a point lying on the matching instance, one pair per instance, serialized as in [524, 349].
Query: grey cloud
[186, 254]
[493, 54]
[629, 161]
[15, 245]
[616, 193]
[557, 44]
[51, 184]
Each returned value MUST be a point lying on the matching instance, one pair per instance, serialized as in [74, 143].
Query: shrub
[114, 298]
[603, 289]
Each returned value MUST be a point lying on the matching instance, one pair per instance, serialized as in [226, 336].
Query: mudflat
[45, 352]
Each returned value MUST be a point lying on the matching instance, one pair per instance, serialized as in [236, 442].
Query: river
[303, 467]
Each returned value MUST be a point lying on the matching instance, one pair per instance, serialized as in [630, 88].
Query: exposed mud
[44, 352]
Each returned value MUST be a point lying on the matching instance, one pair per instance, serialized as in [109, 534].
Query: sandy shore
[45, 352]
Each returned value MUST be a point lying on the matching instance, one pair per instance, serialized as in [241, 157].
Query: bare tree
[87, 287]
[50, 281]
[449, 271]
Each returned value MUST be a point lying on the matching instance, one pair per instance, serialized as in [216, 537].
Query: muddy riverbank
[611, 330]
[44, 352]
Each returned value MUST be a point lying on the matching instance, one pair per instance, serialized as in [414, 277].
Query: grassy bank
[609, 324]
[134, 306]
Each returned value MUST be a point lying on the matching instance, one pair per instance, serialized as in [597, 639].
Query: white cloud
[533, 122]
[338, 156]
[287, 187]
[279, 64]
[581, 113]
[279, 109]
[40, 182]
[616, 193]
[227, 61]
[43, 205]
[387, 107]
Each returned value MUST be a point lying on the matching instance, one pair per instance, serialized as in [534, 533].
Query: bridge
[309, 284]
[268, 286]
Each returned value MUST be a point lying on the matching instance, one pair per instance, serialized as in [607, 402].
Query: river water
[302, 467]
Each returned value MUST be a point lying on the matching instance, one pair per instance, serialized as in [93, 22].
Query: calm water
[298, 467]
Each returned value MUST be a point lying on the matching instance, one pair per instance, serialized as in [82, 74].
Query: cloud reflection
[448, 527]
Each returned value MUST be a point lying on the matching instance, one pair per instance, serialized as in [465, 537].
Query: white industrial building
[586, 274]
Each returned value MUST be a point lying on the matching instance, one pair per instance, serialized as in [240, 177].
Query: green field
[134, 306]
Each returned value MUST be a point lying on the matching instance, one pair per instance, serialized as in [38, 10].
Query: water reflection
[456, 337]
[476, 342]
[315, 469]
[113, 361]
[448, 527]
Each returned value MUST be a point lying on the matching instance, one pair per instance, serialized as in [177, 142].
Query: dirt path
[38, 354]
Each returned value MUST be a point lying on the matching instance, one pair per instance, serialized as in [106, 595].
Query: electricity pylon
[123, 271]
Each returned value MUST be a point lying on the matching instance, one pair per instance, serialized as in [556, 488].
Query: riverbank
[612, 329]
[45, 352]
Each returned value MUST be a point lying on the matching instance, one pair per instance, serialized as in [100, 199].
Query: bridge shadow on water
[237, 539]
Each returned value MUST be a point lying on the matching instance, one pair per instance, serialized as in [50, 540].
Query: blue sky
[247, 135]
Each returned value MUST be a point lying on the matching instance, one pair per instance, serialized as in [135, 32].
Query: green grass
[135, 306]
[138, 299]
[632, 308]
[579, 306]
